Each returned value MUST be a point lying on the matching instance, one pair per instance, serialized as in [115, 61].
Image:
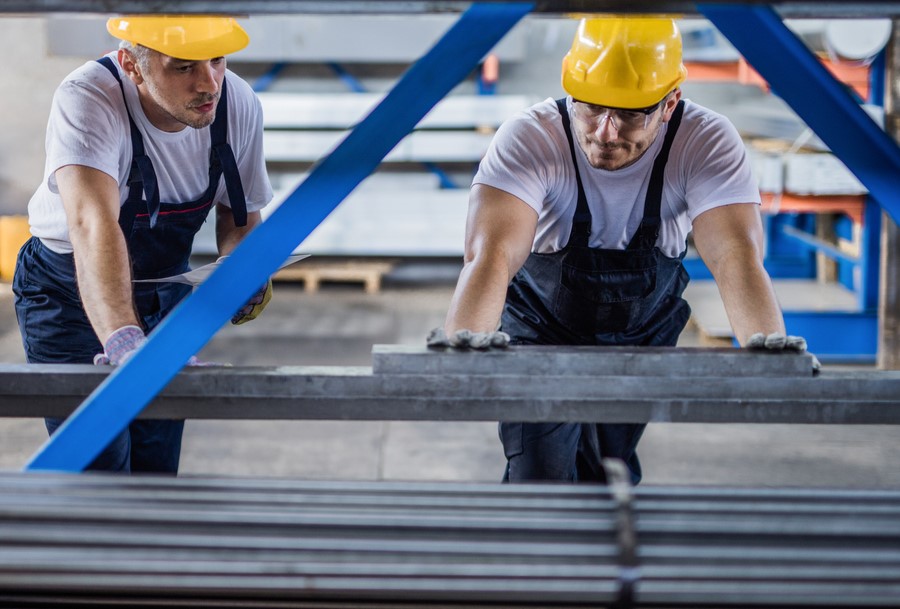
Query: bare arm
[730, 241]
[91, 200]
[227, 234]
[499, 232]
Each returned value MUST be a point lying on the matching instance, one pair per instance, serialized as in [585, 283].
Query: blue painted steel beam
[819, 245]
[268, 79]
[870, 257]
[795, 74]
[128, 390]
[347, 78]
[837, 336]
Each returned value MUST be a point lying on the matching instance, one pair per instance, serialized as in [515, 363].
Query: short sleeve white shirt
[88, 126]
[530, 158]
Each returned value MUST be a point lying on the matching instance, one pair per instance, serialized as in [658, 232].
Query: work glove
[466, 339]
[780, 342]
[122, 344]
[255, 305]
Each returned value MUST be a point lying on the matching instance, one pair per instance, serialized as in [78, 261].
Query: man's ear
[671, 101]
[130, 66]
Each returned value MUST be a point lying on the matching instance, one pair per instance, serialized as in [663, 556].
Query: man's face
[613, 139]
[177, 92]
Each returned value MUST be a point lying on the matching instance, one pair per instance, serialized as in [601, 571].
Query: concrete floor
[339, 325]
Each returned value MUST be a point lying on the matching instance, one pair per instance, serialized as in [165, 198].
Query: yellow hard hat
[193, 37]
[623, 62]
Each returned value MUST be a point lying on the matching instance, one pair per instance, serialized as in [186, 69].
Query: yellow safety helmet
[623, 62]
[193, 37]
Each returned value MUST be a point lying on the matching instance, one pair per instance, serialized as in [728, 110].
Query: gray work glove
[466, 339]
[780, 342]
[120, 345]
[123, 343]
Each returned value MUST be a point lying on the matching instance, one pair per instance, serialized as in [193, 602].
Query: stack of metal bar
[100, 540]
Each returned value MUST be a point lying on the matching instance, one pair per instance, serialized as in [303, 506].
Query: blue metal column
[798, 77]
[125, 393]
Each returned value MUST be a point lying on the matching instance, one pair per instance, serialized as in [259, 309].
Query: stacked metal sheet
[99, 540]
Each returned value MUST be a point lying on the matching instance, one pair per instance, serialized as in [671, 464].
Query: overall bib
[591, 296]
[54, 326]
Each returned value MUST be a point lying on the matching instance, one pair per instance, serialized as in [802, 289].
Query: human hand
[120, 345]
[780, 342]
[466, 339]
[254, 306]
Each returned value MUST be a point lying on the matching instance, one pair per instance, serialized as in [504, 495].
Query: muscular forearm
[500, 230]
[749, 299]
[730, 241]
[228, 236]
[103, 272]
[102, 266]
[479, 297]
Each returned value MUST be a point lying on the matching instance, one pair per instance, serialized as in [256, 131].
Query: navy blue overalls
[591, 296]
[159, 236]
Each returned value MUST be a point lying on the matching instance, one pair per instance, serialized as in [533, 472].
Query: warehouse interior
[384, 263]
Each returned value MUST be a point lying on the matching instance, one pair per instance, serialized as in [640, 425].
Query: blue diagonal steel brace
[796, 75]
[122, 396]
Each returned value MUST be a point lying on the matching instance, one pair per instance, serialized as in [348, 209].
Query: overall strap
[581, 223]
[648, 231]
[141, 177]
[222, 162]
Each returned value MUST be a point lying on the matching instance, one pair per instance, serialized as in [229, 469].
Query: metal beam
[115, 541]
[554, 361]
[438, 388]
[793, 8]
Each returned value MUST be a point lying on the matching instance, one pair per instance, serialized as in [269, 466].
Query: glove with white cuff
[466, 339]
[780, 342]
[122, 344]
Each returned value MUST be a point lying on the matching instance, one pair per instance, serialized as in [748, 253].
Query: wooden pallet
[370, 273]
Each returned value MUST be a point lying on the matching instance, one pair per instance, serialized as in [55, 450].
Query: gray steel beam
[495, 390]
[591, 361]
[792, 8]
[160, 542]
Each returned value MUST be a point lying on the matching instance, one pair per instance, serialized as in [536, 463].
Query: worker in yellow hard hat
[141, 145]
[578, 220]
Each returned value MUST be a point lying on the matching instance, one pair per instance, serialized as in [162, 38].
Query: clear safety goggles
[622, 119]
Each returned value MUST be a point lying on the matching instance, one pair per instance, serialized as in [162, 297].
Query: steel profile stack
[99, 540]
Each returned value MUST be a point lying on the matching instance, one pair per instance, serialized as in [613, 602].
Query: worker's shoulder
[537, 126]
[542, 116]
[91, 75]
[90, 89]
[700, 117]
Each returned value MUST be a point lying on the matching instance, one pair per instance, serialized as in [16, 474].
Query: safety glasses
[622, 119]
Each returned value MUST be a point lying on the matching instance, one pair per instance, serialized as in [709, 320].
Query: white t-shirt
[88, 126]
[529, 158]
